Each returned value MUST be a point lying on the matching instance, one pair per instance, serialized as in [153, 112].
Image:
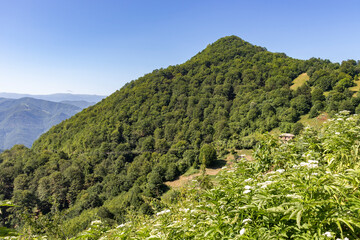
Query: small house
[285, 137]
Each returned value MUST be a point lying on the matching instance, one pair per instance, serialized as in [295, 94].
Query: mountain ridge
[24, 120]
[56, 97]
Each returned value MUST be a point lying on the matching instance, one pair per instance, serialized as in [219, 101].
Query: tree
[317, 95]
[155, 183]
[207, 155]
[301, 103]
[343, 84]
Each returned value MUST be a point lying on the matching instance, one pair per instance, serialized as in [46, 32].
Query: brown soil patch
[182, 180]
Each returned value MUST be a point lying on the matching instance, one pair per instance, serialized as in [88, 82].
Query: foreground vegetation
[114, 157]
[306, 189]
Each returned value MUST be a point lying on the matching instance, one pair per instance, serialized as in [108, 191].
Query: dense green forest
[113, 158]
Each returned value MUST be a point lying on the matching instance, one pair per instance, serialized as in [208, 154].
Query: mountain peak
[227, 48]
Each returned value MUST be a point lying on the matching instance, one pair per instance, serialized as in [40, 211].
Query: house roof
[287, 135]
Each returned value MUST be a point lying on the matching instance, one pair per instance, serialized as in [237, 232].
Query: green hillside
[113, 157]
[305, 189]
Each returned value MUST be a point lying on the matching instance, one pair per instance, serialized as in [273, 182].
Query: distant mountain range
[57, 97]
[23, 119]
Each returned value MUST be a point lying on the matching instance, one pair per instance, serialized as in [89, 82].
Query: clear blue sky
[96, 46]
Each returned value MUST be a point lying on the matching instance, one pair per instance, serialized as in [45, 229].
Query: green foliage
[305, 189]
[4, 231]
[317, 94]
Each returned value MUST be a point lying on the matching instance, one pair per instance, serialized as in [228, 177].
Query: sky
[96, 46]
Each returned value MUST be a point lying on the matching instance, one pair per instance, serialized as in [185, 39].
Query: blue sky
[96, 46]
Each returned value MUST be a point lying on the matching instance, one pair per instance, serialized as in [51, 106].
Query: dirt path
[182, 180]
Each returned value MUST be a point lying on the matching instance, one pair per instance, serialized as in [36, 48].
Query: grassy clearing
[316, 122]
[356, 88]
[191, 171]
[275, 132]
[299, 81]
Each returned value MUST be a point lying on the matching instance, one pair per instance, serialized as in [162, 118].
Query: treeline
[115, 155]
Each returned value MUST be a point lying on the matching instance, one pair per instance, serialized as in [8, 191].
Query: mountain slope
[115, 155]
[23, 120]
[80, 104]
[216, 80]
[307, 189]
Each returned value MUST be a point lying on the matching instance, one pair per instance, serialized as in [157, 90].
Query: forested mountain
[24, 120]
[115, 155]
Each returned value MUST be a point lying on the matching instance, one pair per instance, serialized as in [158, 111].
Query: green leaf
[298, 218]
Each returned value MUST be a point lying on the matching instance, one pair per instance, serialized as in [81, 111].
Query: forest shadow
[217, 164]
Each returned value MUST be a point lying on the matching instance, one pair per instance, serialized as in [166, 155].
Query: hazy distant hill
[57, 97]
[80, 104]
[23, 120]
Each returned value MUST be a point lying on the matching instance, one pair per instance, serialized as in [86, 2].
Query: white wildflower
[328, 172]
[337, 133]
[247, 187]
[309, 164]
[328, 234]
[246, 221]
[264, 184]
[163, 212]
[315, 174]
[313, 161]
[248, 180]
[242, 231]
[184, 209]
[312, 166]
[295, 166]
[280, 170]
[247, 191]
[121, 225]
[95, 222]
[293, 196]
